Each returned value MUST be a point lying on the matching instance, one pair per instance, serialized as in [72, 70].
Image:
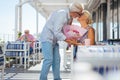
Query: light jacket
[52, 30]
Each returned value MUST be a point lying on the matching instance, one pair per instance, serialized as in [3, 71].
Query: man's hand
[72, 42]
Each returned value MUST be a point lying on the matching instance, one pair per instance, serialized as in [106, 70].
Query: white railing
[106, 57]
[18, 50]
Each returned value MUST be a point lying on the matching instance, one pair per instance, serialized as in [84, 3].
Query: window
[114, 20]
[119, 17]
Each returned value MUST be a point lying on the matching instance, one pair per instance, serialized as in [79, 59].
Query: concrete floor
[33, 73]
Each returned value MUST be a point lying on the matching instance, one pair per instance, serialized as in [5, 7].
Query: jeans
[51, 58]
[31, 50]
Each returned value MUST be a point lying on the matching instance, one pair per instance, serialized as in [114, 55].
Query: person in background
[51, 34]
[27, 37]
[85, 20]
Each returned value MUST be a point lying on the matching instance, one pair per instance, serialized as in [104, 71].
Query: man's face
[74, 14]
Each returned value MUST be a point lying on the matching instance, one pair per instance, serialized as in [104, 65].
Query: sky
[7, 18]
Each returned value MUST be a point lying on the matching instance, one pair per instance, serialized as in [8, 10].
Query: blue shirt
[52, 30]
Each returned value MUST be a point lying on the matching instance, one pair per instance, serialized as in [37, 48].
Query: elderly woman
[85, 20]
[27, 37]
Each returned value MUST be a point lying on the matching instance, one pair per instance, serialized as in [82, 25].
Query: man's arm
[59, 22]
[72, 41]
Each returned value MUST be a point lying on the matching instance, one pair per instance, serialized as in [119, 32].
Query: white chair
[19, 50]
[2, 63]
[37, 53]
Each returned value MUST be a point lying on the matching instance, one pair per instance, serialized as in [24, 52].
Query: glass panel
[119, 17]
[99, 24]
[111, 20]
[115, 19]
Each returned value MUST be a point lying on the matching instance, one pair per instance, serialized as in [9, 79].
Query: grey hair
[76, 7]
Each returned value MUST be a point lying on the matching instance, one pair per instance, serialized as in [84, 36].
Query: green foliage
[19, 34]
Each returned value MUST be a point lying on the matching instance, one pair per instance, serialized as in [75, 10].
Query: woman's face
[26, 32]
[83, 17]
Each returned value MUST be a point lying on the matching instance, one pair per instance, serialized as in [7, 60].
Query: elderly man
[51, 34]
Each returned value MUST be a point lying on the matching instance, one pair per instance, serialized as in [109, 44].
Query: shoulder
[31, 35]
[58, 12]
[62, 12]
[59, 15]
[91, 30]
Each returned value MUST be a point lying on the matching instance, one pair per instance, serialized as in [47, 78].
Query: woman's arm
[91, 36]
[20, 38]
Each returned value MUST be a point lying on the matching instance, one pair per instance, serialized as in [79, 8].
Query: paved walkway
[33, 72]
